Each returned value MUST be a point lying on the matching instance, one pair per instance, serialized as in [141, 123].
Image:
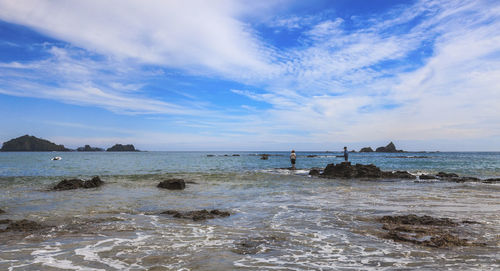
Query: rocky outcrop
[69, 184]
[492, 180]
[346, 170]
[31, 143]
[172, 184]
[427, 177]
[264, 156]
[197, 215]
[425, 230]
[2, 211]
[120, 147]
[389, 148]
[88, 148]
[314, 172]
[366, 149]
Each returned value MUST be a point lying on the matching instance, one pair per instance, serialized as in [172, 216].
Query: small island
[389, 148]
[30, 143]
[120, 147]
[89, 148]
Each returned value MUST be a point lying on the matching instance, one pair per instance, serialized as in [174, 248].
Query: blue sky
[270, 75]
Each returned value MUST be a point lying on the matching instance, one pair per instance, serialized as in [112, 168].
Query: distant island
[389, 148]
[29, 143]
[88, 148]
[120, 147]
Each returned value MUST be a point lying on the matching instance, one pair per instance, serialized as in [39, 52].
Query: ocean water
[280, 219]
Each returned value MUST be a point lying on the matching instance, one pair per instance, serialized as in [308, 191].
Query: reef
[197, 215]
[172, 184]
[425, 230]
[346, 170]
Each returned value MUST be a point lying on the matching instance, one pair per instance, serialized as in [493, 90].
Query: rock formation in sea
[389, 148]
[120, 147]
[366, 149]
[88, 148]
[172, 184]
[346, 170]
[197, 215]
[426, 231]
[22, 225]
[2, 211]
[68, 184]
[31, 143]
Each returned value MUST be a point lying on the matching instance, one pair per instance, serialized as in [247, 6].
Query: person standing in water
[293, 157]
[346, 154]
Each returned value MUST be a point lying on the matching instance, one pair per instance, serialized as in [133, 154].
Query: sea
[280, 219]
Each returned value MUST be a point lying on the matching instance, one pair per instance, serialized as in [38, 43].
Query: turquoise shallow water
[292, 220]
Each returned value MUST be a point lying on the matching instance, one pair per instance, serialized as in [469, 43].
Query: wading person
[346, 154]
[293, 157]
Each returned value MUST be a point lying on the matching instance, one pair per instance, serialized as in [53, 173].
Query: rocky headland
[30, 143]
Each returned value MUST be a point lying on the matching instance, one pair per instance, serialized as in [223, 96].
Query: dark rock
[197, 215]
[389, 148]
[492, 180]
[22, 225]
[173, 184]
[463, 179]
[94, 182]
[69, 184]
[427, 177]
[88, 148]
[423, 230]
[346, 170]
[446, 175]
[366, 149]
[236, 155]
[311, 156]
[353, 151]
[210, 155]
[31, 143]
[264, 156]
[120, 147]
[2, 211]
[314, 172]
[417, 220]
[226, 155]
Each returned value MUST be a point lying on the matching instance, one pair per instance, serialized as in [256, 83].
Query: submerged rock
[197, 215]
[346, 170]
[424, 230]
[446, 175]
[22, 225]
[264, 156]
[314, 172]
[427, 177]
[492, 180]
[2, 211]
[172, 184]
[69, 184]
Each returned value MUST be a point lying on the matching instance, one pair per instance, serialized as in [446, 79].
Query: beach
[279, 219]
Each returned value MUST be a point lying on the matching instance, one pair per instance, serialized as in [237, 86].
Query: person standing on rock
[346, 154]
[293, 157]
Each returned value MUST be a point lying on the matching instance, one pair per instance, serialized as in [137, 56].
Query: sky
[252, 75]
